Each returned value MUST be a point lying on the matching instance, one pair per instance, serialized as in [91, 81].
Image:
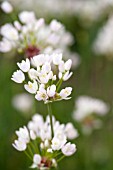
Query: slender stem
[28, 155]
[50, 115]
[61, 158]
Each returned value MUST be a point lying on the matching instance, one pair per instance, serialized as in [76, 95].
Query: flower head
[50, 149]
[45, 78]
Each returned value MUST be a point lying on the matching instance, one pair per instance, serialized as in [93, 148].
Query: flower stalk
[50, 116]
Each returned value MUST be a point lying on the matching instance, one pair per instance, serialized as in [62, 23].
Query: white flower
[46, 67]
[32, 135]
[57, 58]
[69, 149]
[41, 94]
[24, 65]
[23, 135]
[26, 17]
[36, 161]
[5, 46]
[58, 141]
[38, 60]
[17, 25]
[43, 77]
[19, 145]
[71, 132]
[33, 74]
[67, 75]
[31, 87]
[68, 64]
[23, 102]
[86, 106]
[18, 76]
[61, 66]
[9, 32]
[51, 90]
[64, 93]
[55, 25]
[6, 7]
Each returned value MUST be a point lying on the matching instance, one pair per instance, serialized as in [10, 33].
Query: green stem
[50, 115]
[61, 158]
[28, 155]
[59, 84]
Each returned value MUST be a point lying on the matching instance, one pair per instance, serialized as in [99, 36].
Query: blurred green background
[94, 77]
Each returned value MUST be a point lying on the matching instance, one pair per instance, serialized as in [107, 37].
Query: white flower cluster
[86, 109]
[32, 36]
[42, 81]
[104, 40]
[45, 151]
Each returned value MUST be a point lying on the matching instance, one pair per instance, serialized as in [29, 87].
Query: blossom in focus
[50, 149]
[87, 112]
[18, 76]
[45, 75]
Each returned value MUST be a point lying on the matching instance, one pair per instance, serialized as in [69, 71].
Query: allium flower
[87, 111]
[46, 78]
[32, 36]
[18, 76]
[103, 43]
[6, 7]
[23, 102]
[69, 149]
[37, 142]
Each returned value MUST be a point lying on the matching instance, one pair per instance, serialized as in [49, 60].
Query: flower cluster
[87, 110]
[36, 37]
[46, 79]
[43, 149]
[103, 43]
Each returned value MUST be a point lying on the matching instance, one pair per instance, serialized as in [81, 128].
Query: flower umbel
[44, 150]
[45, 75]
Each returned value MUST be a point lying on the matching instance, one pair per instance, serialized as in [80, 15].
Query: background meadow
[92, 77]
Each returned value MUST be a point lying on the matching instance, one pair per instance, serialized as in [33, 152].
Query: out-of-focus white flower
[65, 92]
[55, 25]
[6, 7]
[23, 102]
[26, 17]
[9, 32]
[69, 149]
[57, 58]
[5, 46]
[36, 161]
[24, 65]
[31, 87]
[32, 135]
[18, 76]
[32, 37]
[86, 109]
[86, 105]
[71, 132]
[103, 43]
[19, 145]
